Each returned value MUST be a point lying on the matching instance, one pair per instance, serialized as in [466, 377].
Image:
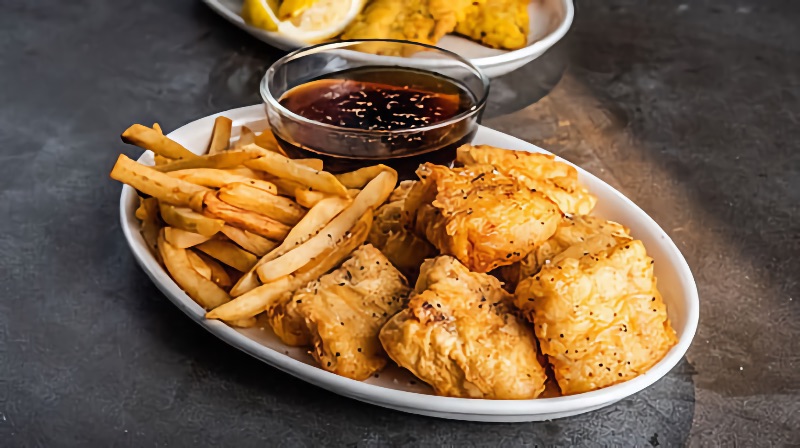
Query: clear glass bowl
[347, 148]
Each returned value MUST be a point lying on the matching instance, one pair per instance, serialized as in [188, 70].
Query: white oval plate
[396, 388]
[549, 22]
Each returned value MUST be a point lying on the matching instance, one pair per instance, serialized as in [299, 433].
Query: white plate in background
[549, 22]
[394, 388]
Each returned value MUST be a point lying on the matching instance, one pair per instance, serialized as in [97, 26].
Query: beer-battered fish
[599, 318]
[479, 216]
[341, 314]
[459, 334]
[582, 234]
[424, 21]
[497, 23]
[557, 180]
[403, 248]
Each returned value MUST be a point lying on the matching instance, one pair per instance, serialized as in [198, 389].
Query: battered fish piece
[423, 21]
[497, 23]
[459, 334]
[404, 249]
[599, 318]
[479, 216]
[341, 314]
[583, 235]
[557, 180]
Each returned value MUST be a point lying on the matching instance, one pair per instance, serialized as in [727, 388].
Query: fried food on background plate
[341, 313]
[460, 335]
[496, 23]
[599, 318]
[423, 21]
[403, 248]
[557, 180]
[583, 235]
[479, 216]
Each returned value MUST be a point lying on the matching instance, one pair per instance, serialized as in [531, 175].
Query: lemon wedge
[309, 21]
[293, 8]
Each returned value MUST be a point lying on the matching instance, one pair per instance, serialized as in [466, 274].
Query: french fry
[243, 323]
[157, 128]
[316, 218]
[218, 274]
[161, 160]
[220, 160]
[259, 299]
[285, 168]
[361, 176]
[200, 289]
[314, 164]
[374, 194]
[247, 197]
[220, 135]
[249, 241]
[285, 187]
[183, 239]
[267, 141]
[148, 214]
[309, 198]
[186, 219]
[209, 177]
[196, 203]
[153, 183]
[245, 219]
[228, 253]
[247, 172]
[253, 302]
[198, 264]
[246, 137]
[155, 141]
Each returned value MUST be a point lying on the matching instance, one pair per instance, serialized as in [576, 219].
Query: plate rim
[407, 401]
[536, 48]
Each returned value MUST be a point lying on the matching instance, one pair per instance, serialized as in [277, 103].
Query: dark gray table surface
[691, 109]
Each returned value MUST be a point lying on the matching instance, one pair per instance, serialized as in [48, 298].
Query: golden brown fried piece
[557, 180]
[459, 335]
[424, 21]
[479, 216]
[497, 23]
[599, 318]
[583, 235]
[404, 249]
[341, 313]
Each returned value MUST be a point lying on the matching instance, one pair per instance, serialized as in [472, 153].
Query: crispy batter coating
[459, 334]
[478, 215]
[424, 21]
[497, 23]
[404, 249]
[341, 314]
[599, 318]
[557, 180]
[582, 234]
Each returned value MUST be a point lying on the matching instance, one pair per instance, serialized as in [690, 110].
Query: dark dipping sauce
[380, 101]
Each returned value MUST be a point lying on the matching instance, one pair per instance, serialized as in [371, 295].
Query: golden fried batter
[478, 215]
[424, 21]
[583, 235]
[404, 249]
[599, 318]
[557, 180]
[459, 335]
[497, 23]
[341, 314]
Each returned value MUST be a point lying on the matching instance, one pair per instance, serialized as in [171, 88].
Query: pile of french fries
[242, 225]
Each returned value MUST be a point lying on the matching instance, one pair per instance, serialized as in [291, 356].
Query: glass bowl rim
[270, 99]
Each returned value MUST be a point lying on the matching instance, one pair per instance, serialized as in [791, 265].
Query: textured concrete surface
[689, 108]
